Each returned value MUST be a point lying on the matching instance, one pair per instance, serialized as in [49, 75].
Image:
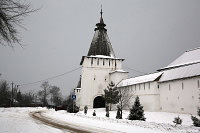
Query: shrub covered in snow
[137, 112]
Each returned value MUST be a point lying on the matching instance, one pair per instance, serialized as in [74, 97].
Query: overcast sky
[148, 34]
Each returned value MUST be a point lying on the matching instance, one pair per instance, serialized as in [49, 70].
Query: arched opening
[99, 102]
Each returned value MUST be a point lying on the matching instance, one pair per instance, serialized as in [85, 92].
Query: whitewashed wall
[95, 78]
[148, 94]
[180, 96]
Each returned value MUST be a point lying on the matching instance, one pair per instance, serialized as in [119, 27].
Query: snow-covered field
[17, 120]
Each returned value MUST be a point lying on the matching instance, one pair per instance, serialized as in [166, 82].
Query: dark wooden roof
[100, 44]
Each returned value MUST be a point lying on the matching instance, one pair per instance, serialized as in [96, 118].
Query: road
[64, 126]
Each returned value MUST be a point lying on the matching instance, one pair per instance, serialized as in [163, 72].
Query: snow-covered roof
[119, 71]
[141, 79]
[181, 72]
[187, 65]
[191, 56]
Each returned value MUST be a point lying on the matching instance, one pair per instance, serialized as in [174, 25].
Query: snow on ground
[156, 122]
[17, 120]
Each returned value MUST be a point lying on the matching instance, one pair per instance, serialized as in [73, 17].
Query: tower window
[91, 61]
[139, 86]
[158, 86]
[97, 61]
[144, 86]
[169, 87]
[198, 84]
[109, 62]
[103, 62]
[115, 64]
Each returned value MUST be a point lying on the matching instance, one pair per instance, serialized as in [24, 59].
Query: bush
[119, 115]
[196, 121]
[72, 108]
[94, 113]
[107, 114]
[85, 109]
[177, 121]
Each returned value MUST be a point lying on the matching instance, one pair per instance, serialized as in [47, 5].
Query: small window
[144, 86]
[192, 97]
[97, 61]
[169, 87]
[135, 87]
[109, 62]
[115, 64]
[158, 86]
[103, 62]
[139, 86]
[182, 86]
[198, 84]
[91, 61]
[178, 97]
[182, 109]
[105, 79]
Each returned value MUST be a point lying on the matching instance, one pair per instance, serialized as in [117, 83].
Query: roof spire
[101, 19]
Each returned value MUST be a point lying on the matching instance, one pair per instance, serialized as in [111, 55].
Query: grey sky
[148, 34]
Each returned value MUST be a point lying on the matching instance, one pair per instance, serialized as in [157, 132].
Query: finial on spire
[101, 10]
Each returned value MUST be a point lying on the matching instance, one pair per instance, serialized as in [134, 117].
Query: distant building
[175, 88]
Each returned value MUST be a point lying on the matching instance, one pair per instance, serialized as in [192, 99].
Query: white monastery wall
[148, 94]
[180, 95]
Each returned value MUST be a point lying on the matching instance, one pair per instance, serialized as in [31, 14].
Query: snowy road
[64, 125]
[17, 120]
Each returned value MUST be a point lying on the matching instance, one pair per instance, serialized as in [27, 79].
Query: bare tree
[125, 97]
[45, 92]
[12, 13]
[55, 95]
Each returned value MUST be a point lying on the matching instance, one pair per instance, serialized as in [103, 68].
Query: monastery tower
[99, 68]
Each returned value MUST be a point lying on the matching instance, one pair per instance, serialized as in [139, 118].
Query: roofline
[82, 59]
[177, 66]
[179, 78]
[192, 49]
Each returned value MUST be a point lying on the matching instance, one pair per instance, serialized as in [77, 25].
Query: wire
[53, 77]
[135, 70]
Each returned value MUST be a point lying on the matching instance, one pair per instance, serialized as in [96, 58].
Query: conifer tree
[111, 95]
[137, 112]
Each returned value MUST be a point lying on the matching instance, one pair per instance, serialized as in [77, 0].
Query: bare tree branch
[12, 13]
